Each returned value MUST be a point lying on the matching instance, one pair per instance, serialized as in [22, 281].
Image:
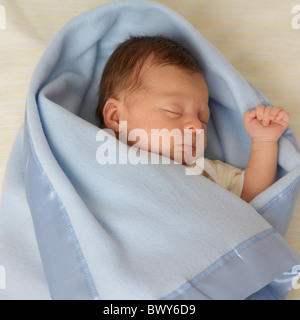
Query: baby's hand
[266, 123]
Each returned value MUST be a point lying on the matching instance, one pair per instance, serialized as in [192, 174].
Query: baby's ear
[111, 112]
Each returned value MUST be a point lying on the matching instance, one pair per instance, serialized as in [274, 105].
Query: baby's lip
[187, 146]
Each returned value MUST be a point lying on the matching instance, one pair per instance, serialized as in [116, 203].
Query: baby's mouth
[187, 148]
[189, 145]
[190, 148]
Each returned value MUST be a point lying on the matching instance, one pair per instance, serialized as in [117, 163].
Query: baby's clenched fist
[266, 123]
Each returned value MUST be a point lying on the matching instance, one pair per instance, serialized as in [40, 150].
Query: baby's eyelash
[175, 112]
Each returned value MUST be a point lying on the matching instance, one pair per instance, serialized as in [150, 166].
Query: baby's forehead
[172, 77]
[153, 71]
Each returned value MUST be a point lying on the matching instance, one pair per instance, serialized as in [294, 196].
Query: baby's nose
[193, 124]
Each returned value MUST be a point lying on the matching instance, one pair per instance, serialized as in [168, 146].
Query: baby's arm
[265, 125]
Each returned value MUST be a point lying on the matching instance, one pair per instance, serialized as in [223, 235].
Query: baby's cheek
[139, 138]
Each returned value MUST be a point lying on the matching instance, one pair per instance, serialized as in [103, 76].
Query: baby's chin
[187, 154]
[183, 157]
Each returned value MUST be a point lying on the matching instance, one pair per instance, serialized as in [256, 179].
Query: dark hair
[124, 67]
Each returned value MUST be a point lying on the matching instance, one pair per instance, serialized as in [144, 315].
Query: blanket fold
[137, 231]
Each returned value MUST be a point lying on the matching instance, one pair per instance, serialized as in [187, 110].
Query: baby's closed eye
[172, 112]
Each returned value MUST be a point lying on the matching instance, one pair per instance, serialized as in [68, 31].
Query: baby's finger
[260, 112]
[283, 116]
[250, 114]
[266, 116]
[283, 123]
[275, 111]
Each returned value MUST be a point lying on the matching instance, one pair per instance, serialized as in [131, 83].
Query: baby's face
[173, 99]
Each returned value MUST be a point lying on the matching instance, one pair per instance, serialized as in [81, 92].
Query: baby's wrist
[264, 139]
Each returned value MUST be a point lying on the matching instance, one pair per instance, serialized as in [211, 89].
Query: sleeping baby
[155, 83]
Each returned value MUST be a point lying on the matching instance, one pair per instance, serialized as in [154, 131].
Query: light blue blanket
[74, 229]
